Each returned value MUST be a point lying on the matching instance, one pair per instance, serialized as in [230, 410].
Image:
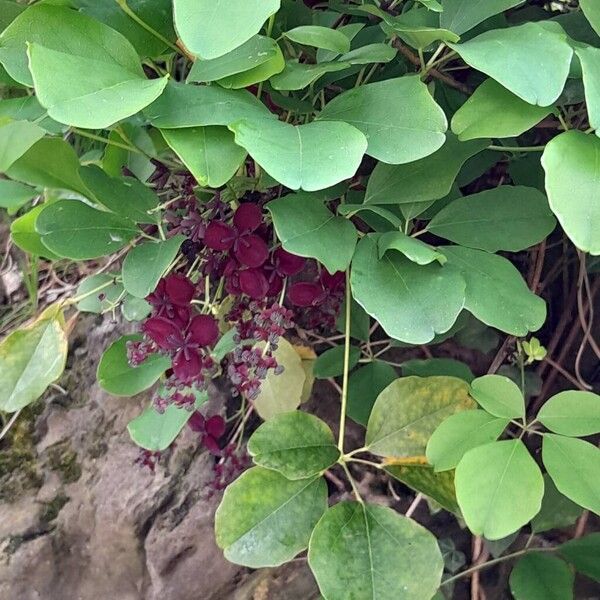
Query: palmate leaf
[409, 410]
[509, 218]
[265, 519]
[85, 73]
[306, 227]
[210, 153]
[295, 444]
[530, 60]
[311, 157]
[399, 117]
[411, 302]
[31, 359]
[212, 28]
[499, 488]
[540, 576]
[370, 552]
[572, 165]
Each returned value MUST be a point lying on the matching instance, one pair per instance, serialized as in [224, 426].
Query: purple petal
[251, 250]
[247, 217]
[219, 236]
[204, 330]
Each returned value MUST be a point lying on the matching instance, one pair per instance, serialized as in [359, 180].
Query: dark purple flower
[282, 265]
[184, 343]
[171, 294]
[248, 248]
[306, 293]
[211, 430]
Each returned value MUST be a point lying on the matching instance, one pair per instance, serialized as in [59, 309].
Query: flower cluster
[210, 430]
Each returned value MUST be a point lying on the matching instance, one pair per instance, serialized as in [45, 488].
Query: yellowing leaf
[409, 410]
[282, 393]
[31, 359]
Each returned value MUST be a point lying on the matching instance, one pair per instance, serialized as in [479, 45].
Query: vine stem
[10, 424]
[352, 482]
[517, 148]
[493, 562]
[346, 364]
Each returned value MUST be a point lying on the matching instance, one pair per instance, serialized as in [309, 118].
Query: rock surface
[90, 524]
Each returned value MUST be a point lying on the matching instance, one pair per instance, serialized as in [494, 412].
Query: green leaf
[281, 393]
[16, 137]
[156, 431]
[306, 227]
[264, 519]
[25, 236]
[409, 410]
[319, 37]
[182, 105]
[27, 108]
[107, 291]
[430, 178]
[592, 12]
[295, 444]
[124, 196]
[531, 60]
[494, 112]
[156, 13]
[499, 488]
[437, 366]
[262, 72]
[14, 196]
[253, 53]
[225, 345]
[462, 15]
[422, 478]
[113, 90]
[135, 309]
[31, 359]
[573, 413]
[212, 28]
[147, 263]
[411, 302]
[364, 386]
[297, 76]
[496, 292]
[460, 433]
[118, 378]
[371, 552]
[499, 396]
[210, 153]
[50, 163]
[74, 230]
[9, 11]
[399, 118]
[574, 466]
[589, 58]
[349, 210]
[572, 165]
[370, 53]
[45, 24]
[415, 250]
[539, 576]
[312, 157]
[509, 218]
[331, 362]
[417, 27]
[557, 510]
[583, 554]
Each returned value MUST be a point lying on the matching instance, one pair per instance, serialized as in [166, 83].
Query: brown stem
[414, 59]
